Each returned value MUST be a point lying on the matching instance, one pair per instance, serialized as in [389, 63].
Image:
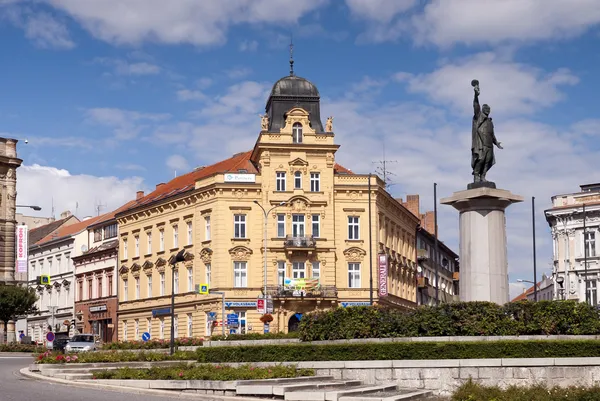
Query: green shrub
[255, 336]
[474, 392]
[18, 347]
[205, 372]
[401, 351]
[154, 344]
[113, 356]
[454, 319]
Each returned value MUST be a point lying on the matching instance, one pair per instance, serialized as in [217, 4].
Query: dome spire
[291, 56]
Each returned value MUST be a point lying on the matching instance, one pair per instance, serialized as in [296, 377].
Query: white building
[52, 256]
[576, 270]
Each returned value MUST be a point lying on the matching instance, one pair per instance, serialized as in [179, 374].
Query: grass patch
[474, 392]
[205, 372]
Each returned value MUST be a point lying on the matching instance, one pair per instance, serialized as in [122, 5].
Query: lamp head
[282, 203]
[36, 208]
[255, 201]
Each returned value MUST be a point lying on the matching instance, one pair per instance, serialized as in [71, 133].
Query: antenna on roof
[98, 207]
[76, 208]
[291, 55]
[383, 170]
[53, 207]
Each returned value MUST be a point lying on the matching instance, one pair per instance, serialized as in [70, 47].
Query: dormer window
[297, 132]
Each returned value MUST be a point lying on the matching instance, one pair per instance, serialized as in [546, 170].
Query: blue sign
[266, 328]
[212, 314]
[21, 335]
[146, 336]
[346, 304]
[233, 317]
[161, 312]
[251, 304]
[231, 331]
[50, 336]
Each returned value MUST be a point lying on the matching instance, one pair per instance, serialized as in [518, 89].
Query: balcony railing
[280, 291]
[300, 242]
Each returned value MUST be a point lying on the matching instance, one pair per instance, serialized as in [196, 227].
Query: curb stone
[132, 390]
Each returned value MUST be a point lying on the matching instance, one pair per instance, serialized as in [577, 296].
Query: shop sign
[98, 308]
[250, 304]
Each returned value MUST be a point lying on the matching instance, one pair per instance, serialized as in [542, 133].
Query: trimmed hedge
[454, 319]
[255, 336]
[475, 392]
[400, 351]
[154, 344]
[113, 356]
[18, 347]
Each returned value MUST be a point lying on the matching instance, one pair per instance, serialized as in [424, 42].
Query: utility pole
[436, 252]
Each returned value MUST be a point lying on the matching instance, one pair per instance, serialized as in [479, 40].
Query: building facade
[313, 212]
[545, 291]
[576, 270]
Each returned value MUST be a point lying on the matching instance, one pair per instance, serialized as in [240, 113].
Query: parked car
[59, 344]
[82, 343]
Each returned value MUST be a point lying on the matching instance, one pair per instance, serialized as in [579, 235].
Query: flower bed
[18, 347]
[113, 356]
[255, 336]
[475, 392]
[154, 344]
[455, 319]
[401, 351]
[205, 372]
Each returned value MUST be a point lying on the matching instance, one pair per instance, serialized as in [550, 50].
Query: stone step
[268, 386]
[334, 394]
[399, 395]
[71, 376]
[281, 390]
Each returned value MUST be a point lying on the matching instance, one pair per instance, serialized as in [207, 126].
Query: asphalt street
[14, 387]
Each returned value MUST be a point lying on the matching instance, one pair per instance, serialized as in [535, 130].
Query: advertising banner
[22, 249]
[383, 275]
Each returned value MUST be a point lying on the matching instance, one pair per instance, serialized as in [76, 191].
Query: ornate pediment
[206, 255]
[355, 254]
[160, 265]
[240, 252]
[124, 269]
[298, 162]
[147, 266]
[135, 267]
[66, 283]
[188, 256]
[57, 284]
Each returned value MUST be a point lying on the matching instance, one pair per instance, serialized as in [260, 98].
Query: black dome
[294, 86]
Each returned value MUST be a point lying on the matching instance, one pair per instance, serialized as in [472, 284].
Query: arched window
[297, 180]
[297, 132]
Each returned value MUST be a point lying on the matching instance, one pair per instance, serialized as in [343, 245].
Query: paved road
[14, 387]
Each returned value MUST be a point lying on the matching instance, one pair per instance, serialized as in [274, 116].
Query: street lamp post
[177, 258]
[34, 207]
[266, 215]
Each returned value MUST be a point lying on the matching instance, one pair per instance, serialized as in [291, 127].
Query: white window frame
[149, 286]
[149, 325]
[316, 270]
[590, 243]
[176, 326]
[190, 233]
[125, 290]
[354, 275]
[161, 328]
[316, 222]
[190, 279]
[137, 288]
[298, 225]
[242, 322]
[175, 236]
[207, 235]
[148, 242]
[240, 274]
[353, 227]
[315, 182]
[281, 225]
[136, 325]
[190, 325]
[298, 270]
[208, 273]
[298, 180]
[280, 181]
[161, 240]
[124, 330]
[162, 284]
[239, 226]
[281, 270]
[176, 281]
[297, 133]
[136, 241]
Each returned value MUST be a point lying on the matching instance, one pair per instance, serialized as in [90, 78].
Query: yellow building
[320, 253]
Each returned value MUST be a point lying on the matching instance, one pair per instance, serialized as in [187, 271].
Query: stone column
[483, 255]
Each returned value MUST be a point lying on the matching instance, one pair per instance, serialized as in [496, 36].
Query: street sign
[269, 305]
[233, 316]
[21, 335]
[146, 336]
[50, 336]
[266, 328]
[45, 279]
[204, 289]
[260, 305]
[212, 316]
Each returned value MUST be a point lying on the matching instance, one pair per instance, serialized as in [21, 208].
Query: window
[176, 281]
[125, 290]
[162, 328]
[149, 325]
[59, 264]
[136, 324]
[590, 243]
[110, 231]
[190, 325]
[50, 266]
[137, 288]
[125, 248]
[176, 326]
[316, 270]
[149, 286]
[161, 241]
[137, 246]
[592, 293]
[190, 280]
[297, 225]
[97, 234]
[175, 236]
[208, 273]
[149, 244]
[189, 233]
[298, 270]
[316, 225]
[124, 330]
[100, 293]
[90, 288]
[207, 228]
[79, 290]
[240, 274]
[242, 322]
[297, 180]
[109, 285]
[353, 227]
[280, 181]
[297, 133]
[315, 182]
[354, 275]
[281, 225]
[280, 272]
[239, 226]
[162, 284]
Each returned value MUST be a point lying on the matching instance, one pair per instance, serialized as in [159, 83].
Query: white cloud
[43, 185]
[187, 94]
[178, 21]
[381, 11]
[178, 163]
[530, 88]
[248, 45]
[42, 28]
[238, 73]
[126, 124]
[123, 67]
[204, 83]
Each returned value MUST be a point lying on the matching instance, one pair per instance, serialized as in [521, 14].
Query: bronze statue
[483, 138]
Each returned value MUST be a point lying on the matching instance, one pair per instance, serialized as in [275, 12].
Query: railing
[280, 291]
[300, 242]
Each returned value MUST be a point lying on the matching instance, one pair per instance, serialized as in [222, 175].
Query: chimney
[412, 204]
[428, 222]
[139, 195]
[160, 184]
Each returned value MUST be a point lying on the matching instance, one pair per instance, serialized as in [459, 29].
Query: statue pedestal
[483, 260]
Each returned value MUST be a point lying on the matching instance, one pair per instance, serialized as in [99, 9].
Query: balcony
[293, 243]
[422, 254]
[281, 291]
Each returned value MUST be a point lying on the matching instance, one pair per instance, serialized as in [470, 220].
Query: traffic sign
[260, 305]
[204, 289]
[45, 279]
[212, 316]
[146, 336]
[233, 317]
[50, 336]
[21, 335]
[266, 328]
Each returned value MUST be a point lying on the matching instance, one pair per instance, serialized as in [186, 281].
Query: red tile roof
[523, 296]
[67, 231]
[111, 215]
[38, 233]
[339, 169]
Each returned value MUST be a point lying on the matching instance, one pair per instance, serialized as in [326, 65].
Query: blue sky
[118, 95]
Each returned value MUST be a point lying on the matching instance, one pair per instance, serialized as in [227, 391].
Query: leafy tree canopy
[16, 301]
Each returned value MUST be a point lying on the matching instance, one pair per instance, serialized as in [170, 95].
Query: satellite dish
[84, 248]
[419, 270]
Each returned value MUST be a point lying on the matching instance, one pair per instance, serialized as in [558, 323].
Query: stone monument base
[483, 256]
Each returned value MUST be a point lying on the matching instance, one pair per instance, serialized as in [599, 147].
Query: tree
[16, 301]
